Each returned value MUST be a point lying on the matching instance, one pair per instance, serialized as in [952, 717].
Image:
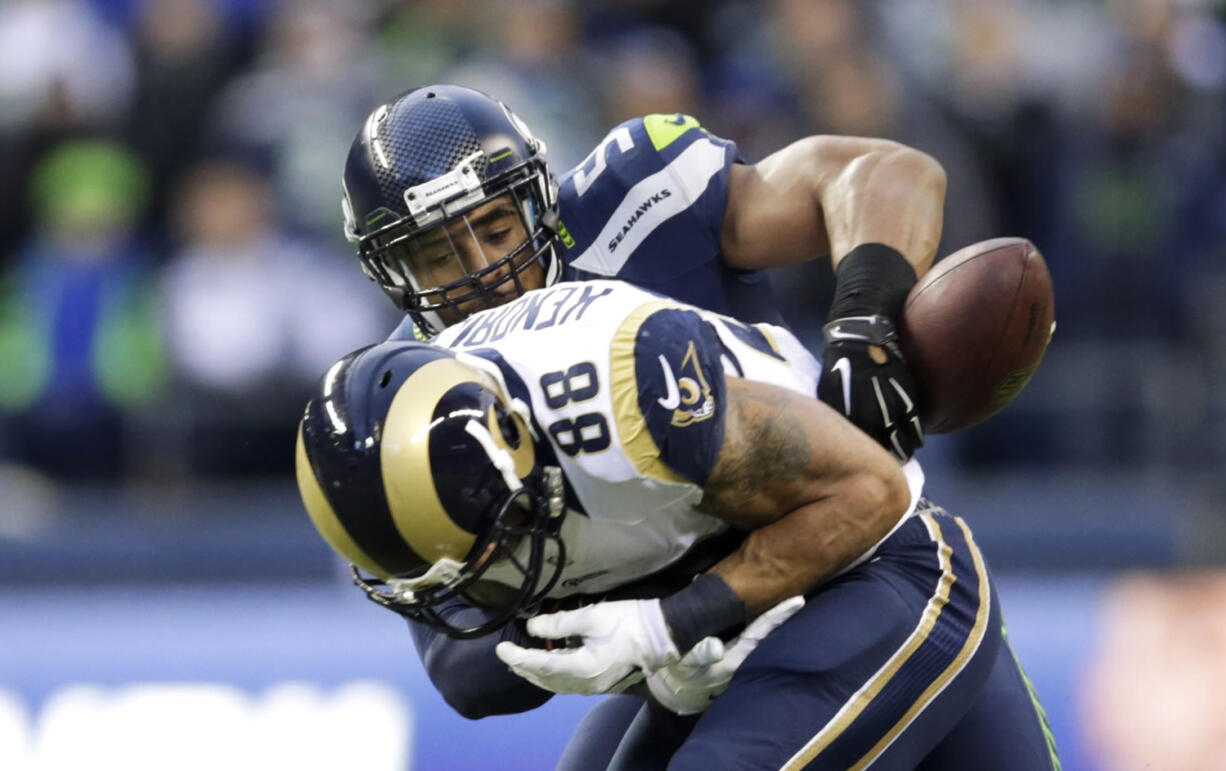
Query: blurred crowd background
[173, 276]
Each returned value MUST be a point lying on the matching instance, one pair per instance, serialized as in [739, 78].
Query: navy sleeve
[469, 676]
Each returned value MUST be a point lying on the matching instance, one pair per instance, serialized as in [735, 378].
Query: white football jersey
[627, 389]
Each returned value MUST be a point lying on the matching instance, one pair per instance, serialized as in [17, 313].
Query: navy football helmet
[451, 204]
[418, 468]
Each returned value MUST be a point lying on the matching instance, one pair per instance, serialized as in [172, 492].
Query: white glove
[619, 639]
[690, 685]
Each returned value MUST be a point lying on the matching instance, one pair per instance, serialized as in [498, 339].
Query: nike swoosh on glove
[621, 641]
[865, 377]
[690, 685]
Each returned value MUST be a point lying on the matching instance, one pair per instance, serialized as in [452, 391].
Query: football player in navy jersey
[453, 208]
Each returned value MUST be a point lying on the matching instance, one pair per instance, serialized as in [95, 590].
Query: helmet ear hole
[385, 379]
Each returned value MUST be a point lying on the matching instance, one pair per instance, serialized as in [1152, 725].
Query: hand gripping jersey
[627, 392]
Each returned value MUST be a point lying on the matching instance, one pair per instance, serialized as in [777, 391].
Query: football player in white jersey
[663, 475]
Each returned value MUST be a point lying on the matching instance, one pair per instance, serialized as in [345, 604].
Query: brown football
[974, 330]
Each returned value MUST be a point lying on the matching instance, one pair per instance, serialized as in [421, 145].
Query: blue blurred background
[173, 279]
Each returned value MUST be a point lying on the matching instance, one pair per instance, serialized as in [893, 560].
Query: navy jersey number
[584, 178]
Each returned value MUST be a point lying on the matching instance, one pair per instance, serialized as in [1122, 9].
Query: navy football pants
[899, 663]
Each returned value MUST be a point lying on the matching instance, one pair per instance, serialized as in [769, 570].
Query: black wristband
[871, 280]
[706, 607]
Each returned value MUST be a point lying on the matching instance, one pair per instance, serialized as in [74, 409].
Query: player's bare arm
[876, 207]
[815, 492]
[829, 194]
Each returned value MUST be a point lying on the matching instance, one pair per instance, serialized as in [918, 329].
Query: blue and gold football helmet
[417, 467]
[450, 201]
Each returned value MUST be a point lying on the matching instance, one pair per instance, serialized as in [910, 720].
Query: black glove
[865, 377]
[864, 374]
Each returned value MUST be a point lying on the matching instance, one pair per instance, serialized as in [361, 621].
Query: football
[974, 330]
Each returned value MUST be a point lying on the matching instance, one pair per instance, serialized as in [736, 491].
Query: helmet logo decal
[408, 479]
[694, 402]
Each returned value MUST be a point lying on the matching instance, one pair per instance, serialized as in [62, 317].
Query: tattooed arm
[814, 491]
